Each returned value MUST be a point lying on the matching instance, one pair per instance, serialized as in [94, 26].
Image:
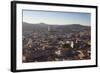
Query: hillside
[42, 27]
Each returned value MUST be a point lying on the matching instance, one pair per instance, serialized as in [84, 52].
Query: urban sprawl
[57, 43]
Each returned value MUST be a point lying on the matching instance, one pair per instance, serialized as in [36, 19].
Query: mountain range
[42, 27]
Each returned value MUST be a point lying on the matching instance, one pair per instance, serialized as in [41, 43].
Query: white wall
[5, 36]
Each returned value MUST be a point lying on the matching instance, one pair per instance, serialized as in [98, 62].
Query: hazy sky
[59, 18]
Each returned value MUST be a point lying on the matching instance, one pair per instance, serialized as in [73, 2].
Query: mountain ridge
[44, 27]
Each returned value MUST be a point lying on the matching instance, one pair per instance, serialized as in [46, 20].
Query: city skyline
[58, 18]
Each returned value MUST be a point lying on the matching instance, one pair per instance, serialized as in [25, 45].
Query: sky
[58, 18]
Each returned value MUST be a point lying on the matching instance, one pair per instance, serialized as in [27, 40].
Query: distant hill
[34, 27]
[42, 27]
